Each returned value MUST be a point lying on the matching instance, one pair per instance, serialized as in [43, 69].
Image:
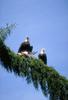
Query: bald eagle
[25, 48]
[42, 56]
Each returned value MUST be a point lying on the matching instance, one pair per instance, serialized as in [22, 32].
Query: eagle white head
[26, 39]
[42, 51]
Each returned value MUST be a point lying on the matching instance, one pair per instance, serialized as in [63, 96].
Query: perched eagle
[25, 48]
[42, 56]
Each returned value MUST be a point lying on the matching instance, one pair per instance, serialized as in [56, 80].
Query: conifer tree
[34, 70]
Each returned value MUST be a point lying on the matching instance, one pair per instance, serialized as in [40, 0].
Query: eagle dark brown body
[42, 56]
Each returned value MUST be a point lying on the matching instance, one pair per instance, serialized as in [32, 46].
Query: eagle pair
[26, 50]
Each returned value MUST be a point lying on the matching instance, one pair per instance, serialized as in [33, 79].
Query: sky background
[46, 23]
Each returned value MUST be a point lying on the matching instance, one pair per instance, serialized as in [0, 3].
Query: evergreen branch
[34, 70]
[4, 32]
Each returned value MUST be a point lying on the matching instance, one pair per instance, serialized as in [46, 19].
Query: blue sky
[46, 23]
